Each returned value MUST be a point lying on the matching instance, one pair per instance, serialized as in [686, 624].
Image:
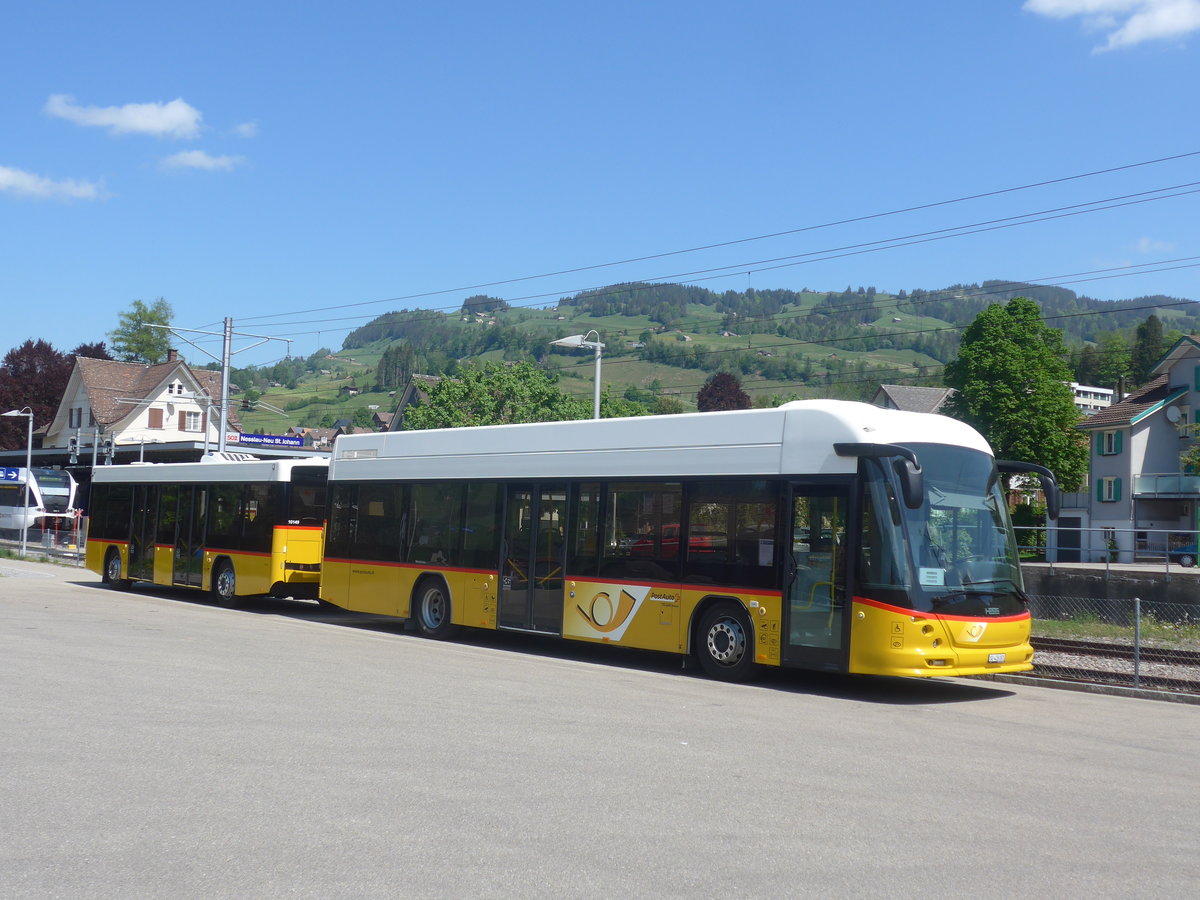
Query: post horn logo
[603, 616]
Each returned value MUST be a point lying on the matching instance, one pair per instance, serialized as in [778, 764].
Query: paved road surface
[154, 746]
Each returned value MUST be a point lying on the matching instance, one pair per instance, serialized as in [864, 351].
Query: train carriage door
[531, 568]
[815, 608]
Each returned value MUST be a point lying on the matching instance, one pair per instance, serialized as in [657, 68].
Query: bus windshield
[960, 539]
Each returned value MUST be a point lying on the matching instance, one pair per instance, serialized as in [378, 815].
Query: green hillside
[664, 340]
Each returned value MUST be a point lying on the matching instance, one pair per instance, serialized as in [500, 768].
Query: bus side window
[584, 547]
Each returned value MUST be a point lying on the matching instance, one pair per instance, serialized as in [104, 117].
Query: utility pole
[227, 353]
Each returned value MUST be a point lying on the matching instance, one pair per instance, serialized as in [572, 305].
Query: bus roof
[203, 472]
[796, 438]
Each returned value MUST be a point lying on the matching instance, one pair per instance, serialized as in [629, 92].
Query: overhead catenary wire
[740, 266]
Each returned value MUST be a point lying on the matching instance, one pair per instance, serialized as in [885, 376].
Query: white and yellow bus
[823, 535]
[235, 528]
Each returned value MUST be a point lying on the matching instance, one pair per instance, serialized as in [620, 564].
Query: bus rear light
[302, 567]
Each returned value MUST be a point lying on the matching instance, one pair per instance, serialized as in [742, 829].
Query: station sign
[264, 440]
[11, 474]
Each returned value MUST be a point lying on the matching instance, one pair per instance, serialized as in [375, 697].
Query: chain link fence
[1134, 643]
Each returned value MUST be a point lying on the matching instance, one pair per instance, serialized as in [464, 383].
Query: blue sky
[264, 160]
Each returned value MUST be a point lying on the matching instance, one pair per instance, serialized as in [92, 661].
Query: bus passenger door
[531, 569]
[189, 535]
[815, 608]
[144, 531]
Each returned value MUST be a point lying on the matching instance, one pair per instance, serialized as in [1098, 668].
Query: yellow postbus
[822, 534]
[235, 528]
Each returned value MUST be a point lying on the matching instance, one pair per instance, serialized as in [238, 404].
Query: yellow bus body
[292, 565]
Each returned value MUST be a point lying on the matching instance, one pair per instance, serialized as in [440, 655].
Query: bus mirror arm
[1049, 484]
[907, 467]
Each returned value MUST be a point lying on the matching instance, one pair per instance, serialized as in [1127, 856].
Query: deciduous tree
[32, 375]
[495, 395]
[1012, 384]
[722, 391]
[132, 341]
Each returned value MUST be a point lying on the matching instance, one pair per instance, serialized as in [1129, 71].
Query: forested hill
[811, 316]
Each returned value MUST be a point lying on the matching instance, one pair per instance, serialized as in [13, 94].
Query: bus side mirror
[912, 482]
[904, 463]
[1046, 481]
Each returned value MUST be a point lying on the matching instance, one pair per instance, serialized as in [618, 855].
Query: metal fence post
[1137, 641]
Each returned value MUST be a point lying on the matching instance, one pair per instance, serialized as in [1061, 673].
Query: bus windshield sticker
[932, 577]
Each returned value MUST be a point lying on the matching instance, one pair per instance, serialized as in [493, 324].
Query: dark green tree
[132, 341]
[1012, 385]
[1148, 348]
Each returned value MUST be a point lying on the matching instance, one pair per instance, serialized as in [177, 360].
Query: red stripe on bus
[237, 552]
[685, 585]
[400, 565]
[887, 607]
[300, 527]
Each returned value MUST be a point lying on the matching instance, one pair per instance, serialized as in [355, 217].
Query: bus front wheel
[724, 644]
[433, 609]
[112, 571]
[224, 584]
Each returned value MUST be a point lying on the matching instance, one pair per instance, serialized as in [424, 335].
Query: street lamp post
[576, 341]
[27, 411]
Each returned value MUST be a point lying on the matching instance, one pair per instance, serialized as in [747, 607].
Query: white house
[135, 404]
[1138, 502]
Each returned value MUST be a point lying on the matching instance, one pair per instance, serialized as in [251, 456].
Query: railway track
[1109, 650]
[1100, 662]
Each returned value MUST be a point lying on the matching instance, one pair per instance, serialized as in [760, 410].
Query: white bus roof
[796, 438]
[202, 472]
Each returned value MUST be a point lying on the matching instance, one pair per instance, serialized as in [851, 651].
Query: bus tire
[224, 585]
[112, 570]
[431, 608]
[724, 644]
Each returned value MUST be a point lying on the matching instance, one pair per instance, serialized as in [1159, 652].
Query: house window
[191, 421]
[1108, 490]
[1108, 443]
[155, 418]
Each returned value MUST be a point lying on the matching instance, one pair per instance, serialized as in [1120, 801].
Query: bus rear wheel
[433, 609]
[112, 571]
[224, 584]
[724, 644]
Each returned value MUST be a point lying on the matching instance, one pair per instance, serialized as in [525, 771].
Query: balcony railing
[1166, 485]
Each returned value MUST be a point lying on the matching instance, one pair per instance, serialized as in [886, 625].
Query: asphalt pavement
[156, 746]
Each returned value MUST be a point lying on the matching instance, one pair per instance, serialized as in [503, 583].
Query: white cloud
[26, 184]
[246, 130]
[176, 119]
[1147, 246]
[1127, 22]
[198, 159]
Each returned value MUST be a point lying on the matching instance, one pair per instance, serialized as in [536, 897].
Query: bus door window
[817, 593]
[189, 539]
[143, 532]
[531, 571]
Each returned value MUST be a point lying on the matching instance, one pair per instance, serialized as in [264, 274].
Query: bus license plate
[995, 657]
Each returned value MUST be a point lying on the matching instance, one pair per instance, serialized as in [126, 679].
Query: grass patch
[1090, 626]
